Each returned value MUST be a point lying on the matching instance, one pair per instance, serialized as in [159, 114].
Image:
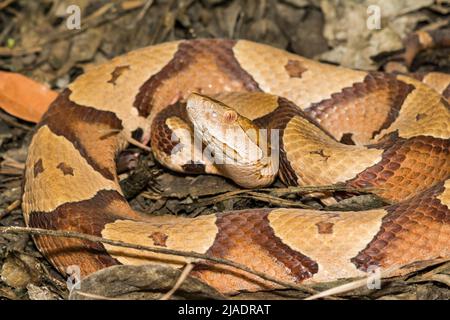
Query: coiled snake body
[335, 125]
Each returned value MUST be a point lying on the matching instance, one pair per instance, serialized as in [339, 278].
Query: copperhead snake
[335, 125]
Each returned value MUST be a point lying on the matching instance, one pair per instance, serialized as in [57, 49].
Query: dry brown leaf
[23, 97]
[140, 283]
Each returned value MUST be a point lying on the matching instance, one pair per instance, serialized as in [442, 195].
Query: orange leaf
[24, 98]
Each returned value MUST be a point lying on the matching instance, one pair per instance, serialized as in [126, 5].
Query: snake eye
[230, 116]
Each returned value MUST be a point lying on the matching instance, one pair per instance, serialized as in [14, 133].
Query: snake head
[229, 135]
[207, 112]
[239, 149]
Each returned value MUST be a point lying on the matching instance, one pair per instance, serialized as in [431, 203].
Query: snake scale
[336, 126]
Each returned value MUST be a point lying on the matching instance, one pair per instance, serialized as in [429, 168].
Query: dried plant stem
[10, 208]
[11, 121]
[252, 195]
[290, 190]
[95, 296]
[353, 285]
[83, 236]
[138, 144]
[10, 162]
[260, 194]
[309, 189]
[5, 3]
[186, 270]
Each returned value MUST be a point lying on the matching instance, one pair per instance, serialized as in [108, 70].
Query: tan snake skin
[337, 125]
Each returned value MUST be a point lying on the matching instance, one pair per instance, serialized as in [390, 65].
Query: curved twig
[190, 254]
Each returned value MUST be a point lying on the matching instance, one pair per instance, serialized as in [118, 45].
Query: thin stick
[252, 195]
[138, 144]
[5, 3]
[309, 189]
[259, 195]
[17, 52]
[186, 270]
[95, 296]
[143, 11]
[129, 139]
[354, 284]
[11, 172]
[306, 189]
[10, 208]
[189, 254]
[10, 162]
[11, 121]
